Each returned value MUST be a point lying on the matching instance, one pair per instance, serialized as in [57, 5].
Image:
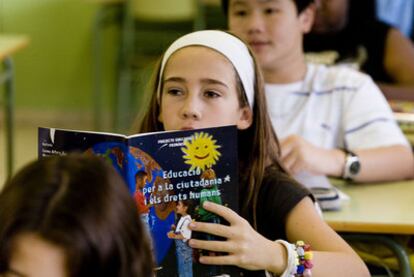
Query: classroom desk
[375, 210]
[9, 44]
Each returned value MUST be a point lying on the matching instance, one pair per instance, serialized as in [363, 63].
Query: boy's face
[140, 181]
[200, 91]
[272, 28]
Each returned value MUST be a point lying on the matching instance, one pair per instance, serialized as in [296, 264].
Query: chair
[149, 27]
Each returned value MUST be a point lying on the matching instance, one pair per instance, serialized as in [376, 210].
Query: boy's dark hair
[80, 204]
[300, 5]
[141, 174]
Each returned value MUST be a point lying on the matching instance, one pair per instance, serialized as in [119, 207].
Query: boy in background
[331, 120]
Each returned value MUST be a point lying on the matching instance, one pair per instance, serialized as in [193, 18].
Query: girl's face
[181, 209]
[35, 257]
[199, 91]
[272, 28]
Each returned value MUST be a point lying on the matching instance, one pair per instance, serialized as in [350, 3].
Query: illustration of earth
[160, 215]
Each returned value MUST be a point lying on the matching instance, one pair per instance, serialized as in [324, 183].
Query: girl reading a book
[71, 216]
[208, 79]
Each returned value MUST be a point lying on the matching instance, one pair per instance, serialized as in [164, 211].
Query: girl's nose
[191, 109]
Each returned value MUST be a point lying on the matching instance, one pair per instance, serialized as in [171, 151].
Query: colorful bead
[308, 264]
[300, 269]
[300, 251]
[307, 273]
[308, 255]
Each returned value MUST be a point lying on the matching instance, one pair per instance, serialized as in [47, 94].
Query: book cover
[170, 175]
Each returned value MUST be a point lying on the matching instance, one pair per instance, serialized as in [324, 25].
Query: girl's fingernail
[192, 225]
[206, 204]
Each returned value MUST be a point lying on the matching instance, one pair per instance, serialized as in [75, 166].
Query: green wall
[55, 72]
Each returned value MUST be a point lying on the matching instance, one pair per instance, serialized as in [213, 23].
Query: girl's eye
[174, 91]
[211, 94]
[239, 13]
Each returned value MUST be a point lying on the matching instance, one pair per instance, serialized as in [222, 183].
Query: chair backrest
[157, 23]
[165, 10]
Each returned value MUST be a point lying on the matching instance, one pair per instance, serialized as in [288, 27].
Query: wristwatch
[352, 165]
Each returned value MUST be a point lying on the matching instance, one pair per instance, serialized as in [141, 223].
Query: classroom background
[69, 43]
[53, 74]
[86, 62]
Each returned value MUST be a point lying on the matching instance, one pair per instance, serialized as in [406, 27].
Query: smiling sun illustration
[201, 151]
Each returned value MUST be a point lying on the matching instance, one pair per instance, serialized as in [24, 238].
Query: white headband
[228, 45]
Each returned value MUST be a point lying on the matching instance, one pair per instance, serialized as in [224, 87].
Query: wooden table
[9, 44]
[375, 210]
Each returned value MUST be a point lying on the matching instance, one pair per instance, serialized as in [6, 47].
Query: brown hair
[258, 145]
[80, 204]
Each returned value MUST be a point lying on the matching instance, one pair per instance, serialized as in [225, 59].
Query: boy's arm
[386, 164]
[377, 164]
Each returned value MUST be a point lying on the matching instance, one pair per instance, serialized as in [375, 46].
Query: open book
[166, 171]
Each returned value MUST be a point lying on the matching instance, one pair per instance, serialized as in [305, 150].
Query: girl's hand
[244, 247]
[171, 235]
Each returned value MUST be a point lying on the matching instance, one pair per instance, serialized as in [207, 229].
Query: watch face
[354, 167]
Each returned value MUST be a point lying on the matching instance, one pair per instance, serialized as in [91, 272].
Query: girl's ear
[307, 17]
[246, 118]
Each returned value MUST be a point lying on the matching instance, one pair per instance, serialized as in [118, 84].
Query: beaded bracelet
[299, 259]
[304, 259]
